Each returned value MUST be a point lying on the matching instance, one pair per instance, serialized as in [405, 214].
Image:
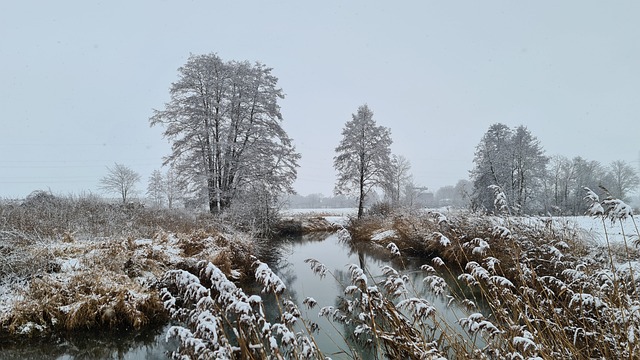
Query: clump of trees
[164, 187]
[514, 160]
[224, 124]
[365, 164]
[566, 179]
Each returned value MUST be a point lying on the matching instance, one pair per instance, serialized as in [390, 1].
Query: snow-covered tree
[528, 170]
[156, 188]
[491, 164]
[514, 161]
[363, 156]
[224, 123]
[120, 180]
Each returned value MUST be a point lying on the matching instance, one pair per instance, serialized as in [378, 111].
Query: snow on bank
[382, 235]
[598, 231]
[337, 212]
[86, 282]
[339, 216]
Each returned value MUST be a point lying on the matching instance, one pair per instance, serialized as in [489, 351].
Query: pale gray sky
[79, 79]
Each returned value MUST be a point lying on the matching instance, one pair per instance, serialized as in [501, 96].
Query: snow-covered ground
[337, 216]
[598, 231]
[321, 212]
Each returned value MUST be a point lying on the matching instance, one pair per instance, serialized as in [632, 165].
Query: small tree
[120, 180]
[156, 188]
[173, 189]
[397, 178]
[622, 179]
[363, 156]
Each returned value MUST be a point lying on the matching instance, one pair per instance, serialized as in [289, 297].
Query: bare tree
[363, 156]
[156, 188]
[397, 178]
[120, 180]
[173, 188]
[224, 122]
[464, 189]
[622, 179]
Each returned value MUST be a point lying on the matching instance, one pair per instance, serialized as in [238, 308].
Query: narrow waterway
[287, 259]
[289, 263]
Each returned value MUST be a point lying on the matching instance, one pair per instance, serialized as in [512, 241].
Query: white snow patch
[70, 265]
[614, 230]
[341, 212]
[338, 220]
[143, 242]
[384, 235]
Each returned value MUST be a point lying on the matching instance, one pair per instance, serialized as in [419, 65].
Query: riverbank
[555, 287]
[80, 264]
[520, 286]
[68, 284]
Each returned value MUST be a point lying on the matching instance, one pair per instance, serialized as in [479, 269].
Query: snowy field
[595, 230]
[321, 212]
[338, 216]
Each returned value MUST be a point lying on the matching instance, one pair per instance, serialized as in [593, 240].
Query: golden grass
[69, 280]
[563, 300]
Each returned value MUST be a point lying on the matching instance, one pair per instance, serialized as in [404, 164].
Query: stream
[287, 259]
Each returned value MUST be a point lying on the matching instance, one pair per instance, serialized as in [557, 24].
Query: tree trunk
[361, 200]
[214, 203]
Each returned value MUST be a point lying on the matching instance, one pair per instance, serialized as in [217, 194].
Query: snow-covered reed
[534, 289]
[220, 321]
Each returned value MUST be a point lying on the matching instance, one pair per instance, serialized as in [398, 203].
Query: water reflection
[336, 255]
[148, 344]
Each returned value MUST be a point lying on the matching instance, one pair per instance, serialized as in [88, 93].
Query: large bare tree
[363, 156]
[224, 123]
[120, 180]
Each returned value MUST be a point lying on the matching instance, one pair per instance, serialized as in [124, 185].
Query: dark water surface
[147, 344]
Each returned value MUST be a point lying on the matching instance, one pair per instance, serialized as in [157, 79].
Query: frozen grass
[304, 221]
[533, 287]
[551, 292]
[79, 263]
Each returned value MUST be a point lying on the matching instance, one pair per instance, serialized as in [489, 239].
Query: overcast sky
[79, 80]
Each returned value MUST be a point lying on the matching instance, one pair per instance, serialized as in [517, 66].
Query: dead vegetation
[461, 237]
[71, 264]
[545, 293]
[305, 224]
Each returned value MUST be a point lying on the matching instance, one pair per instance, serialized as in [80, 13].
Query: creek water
[286, 257]
[289, 263]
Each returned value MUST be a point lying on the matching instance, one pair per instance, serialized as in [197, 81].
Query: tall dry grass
[77, 263]
[546, 297]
